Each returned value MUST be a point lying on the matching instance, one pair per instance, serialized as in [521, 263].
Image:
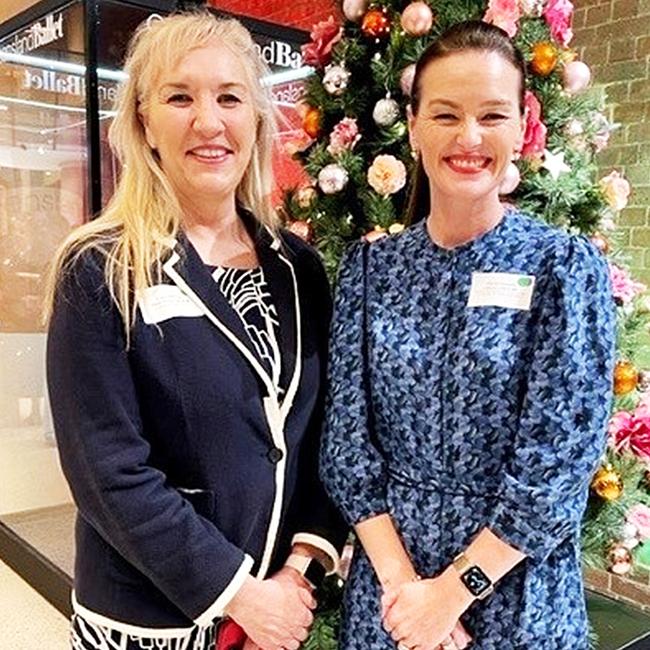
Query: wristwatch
[312, 570]
[473, 577]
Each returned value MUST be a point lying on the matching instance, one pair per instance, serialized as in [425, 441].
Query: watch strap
[310, 568]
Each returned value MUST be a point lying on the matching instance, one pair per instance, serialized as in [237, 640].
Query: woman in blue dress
[470, 385]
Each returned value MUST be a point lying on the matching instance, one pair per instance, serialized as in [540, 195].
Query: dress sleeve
[314, 518]
[105, 456]
[351, 466]
[561, 429]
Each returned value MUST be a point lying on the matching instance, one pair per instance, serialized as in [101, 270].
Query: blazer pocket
[202, 500]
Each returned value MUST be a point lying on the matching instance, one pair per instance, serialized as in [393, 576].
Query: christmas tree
[357, 155]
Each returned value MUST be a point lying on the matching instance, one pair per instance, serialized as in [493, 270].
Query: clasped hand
[424, 615]
[275, 613]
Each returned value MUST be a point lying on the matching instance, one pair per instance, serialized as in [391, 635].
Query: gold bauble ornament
[545, 58]
[376, 23]
[626, 377]
[305, 196]
[311, 122]
[619, 559]
[607, 483]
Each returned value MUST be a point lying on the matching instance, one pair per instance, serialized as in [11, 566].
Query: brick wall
[613, 38]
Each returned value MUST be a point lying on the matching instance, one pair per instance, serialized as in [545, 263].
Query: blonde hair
[144, 214]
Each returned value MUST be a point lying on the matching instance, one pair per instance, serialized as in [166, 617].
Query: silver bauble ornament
[629, 530]
[335, 79]
[355, 9]
[576, 77]
[332, 178]
[386, 112]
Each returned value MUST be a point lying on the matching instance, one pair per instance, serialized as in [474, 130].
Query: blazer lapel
[186, 269]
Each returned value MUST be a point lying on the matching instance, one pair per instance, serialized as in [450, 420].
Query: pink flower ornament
[631, 432]
[504, 14]
[324, 36]
[535, 133]
[624, 288]
[344, 136]
[639, 516]
[559, 16]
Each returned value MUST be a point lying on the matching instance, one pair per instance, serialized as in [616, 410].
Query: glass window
[42, 198]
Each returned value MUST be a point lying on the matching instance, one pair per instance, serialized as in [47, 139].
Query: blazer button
[275, 455]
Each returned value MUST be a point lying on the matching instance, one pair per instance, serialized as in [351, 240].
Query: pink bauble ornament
[510, 180]
[355, 9]
[417, 19]
[576, 77]
[406, 79]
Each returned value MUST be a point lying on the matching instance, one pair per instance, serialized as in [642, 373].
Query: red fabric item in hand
[230, 636]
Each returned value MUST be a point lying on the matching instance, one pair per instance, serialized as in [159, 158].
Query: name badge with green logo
[512, 290]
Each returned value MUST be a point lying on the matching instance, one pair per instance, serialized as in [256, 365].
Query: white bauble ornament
[386, 112]
[576, 77]
[629, 531]
[417, 19]
[355, 9]
[630, 543]
[406, 79]
[332, 178]
[511, 179]
[574, 128]
[335, 79]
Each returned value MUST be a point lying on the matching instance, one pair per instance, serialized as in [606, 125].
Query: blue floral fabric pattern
[451, 418]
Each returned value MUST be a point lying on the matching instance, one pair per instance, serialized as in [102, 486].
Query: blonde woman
[185, 365]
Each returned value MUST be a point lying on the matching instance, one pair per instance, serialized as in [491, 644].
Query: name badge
[501, 290]
[164, 301]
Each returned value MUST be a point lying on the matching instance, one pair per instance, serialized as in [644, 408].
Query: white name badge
[164, 301]
[501, 290]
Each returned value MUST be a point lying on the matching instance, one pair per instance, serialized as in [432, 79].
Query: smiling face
[200, 118]
[468, 124]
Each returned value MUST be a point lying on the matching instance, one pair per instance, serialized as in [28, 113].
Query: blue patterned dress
[452, 418]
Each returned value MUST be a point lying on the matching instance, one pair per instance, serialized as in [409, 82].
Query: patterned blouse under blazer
[471, 388]
[190, 468]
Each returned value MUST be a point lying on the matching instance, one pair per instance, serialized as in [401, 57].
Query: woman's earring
[414, 153]
[510, 180]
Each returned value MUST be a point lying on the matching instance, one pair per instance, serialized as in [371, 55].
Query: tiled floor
[28, 621]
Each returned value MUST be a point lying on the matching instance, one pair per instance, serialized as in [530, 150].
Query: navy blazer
[189, 470]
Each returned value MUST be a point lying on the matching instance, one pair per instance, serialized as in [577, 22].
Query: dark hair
[469, 35]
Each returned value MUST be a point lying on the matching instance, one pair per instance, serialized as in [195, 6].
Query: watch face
[476, 581]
